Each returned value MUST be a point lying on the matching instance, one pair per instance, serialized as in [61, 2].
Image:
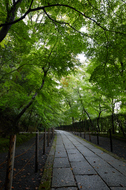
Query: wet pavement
[79, 165]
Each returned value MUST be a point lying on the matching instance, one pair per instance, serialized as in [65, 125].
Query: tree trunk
[44, 142]
[52, 132]
[84, 110]
[30, 102]
[10, 18]
[113, 127]
[37, 151]
[10, 163]
[48, 140]
[98, 121]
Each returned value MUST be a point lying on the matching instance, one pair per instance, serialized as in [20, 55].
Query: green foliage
[20, 138]
[42, 83]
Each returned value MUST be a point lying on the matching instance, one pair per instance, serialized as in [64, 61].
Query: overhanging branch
[59, 5]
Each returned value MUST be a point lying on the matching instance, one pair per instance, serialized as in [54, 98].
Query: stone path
[79, 165]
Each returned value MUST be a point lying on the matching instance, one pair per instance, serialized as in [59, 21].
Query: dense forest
[43, 81]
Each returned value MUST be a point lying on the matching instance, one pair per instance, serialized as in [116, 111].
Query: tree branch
[31, 4]
[9, 20]
[32, 100]
[58, 5]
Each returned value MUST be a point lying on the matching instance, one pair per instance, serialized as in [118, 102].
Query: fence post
[111, 140]
[44, 141]
[48, 139]
[53, 131]
[89, 135]
[97, 137]
[37, 151]
[84, 133]
[10, 163]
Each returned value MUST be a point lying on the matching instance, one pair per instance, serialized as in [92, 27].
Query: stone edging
[47, 174]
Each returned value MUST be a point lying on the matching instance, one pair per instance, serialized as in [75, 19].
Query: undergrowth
[20, 138]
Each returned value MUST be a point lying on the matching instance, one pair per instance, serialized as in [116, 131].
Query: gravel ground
[24, 166]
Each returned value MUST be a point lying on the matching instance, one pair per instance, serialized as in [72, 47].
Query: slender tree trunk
[89, 135]
[84, 110]
[53, 132]
[48, 140]
[121, 127]
[98, 121]
[10, 163]
[37, 152]
[113, 127]
[30, 102]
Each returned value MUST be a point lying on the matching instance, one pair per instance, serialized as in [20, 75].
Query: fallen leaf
[121, 185]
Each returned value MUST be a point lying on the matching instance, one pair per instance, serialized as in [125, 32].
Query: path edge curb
[48, 169]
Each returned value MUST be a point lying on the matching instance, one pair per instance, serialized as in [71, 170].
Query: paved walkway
[79, 165]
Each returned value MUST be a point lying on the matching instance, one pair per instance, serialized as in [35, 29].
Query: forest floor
[24, 167]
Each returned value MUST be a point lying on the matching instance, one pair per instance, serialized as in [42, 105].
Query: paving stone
[76, 143]
[60, 149]
[59, 146]
[61, 163]
[72, 151]
[91, 182]
[65, 188]
[62, 177]
[107, 172]
[69, 146]
[92, 168]
[119, 165]
[97, 151]
[87, 153]
[60, 154]
[112, 177]
[118, 188]
[75, 157]
[106, 156]
[82, 167]
[60, 143]
[52, 152]
[97, 162]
